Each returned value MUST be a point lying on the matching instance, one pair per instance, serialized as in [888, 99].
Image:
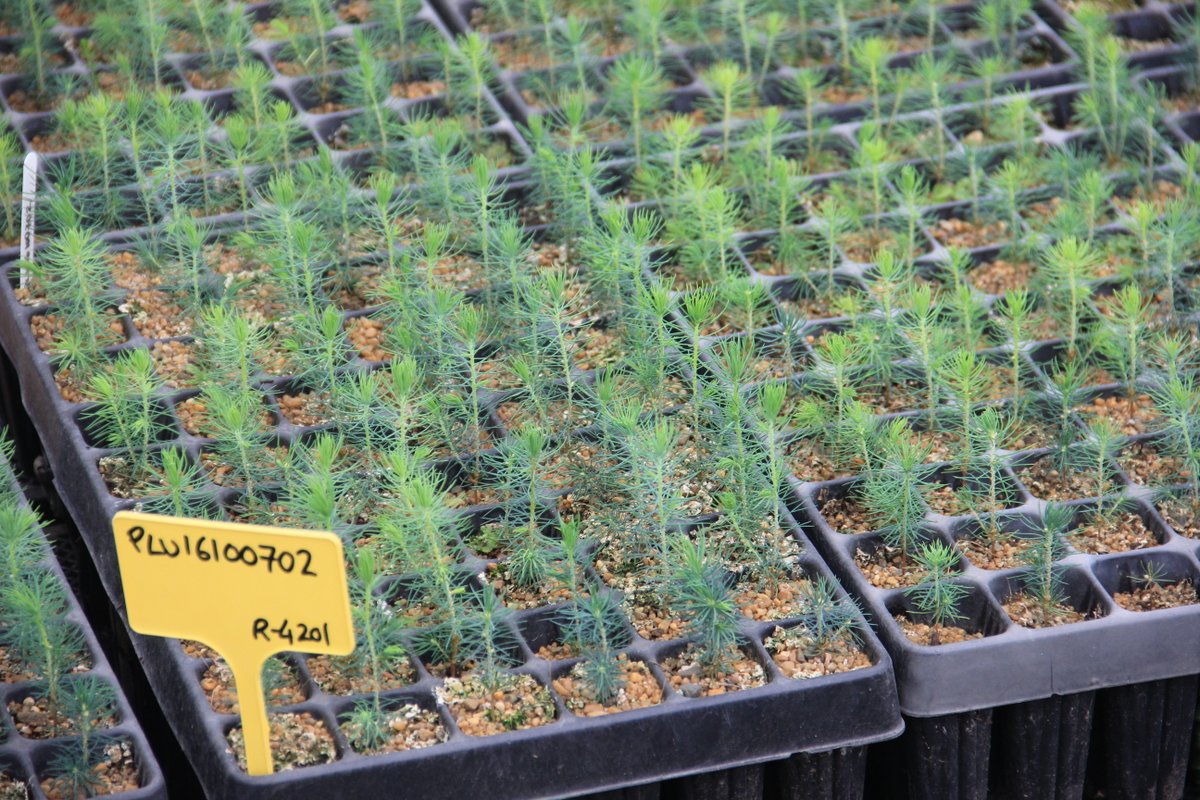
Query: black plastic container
[30, 760]
[841, 712]
[684, 66]
[1039, 686]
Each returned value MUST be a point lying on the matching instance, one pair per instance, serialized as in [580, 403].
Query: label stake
[28, 212]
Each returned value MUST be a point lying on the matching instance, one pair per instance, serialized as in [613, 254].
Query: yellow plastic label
[246, 591]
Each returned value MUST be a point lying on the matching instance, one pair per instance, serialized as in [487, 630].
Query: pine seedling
[1068, 379]
[893, 492]
[1178, 399]
[732, 93]
[734, 20]
[369, 87]
[229, 344]
[827, 619]
[183, 260]
[422, 262]
[318, 348]
[870, 56]
[1169, 242]
[1107, 104]
[1094, 458]
[328, 197]
[361, 404]
[470, 333]
[379, 647]
[481, 205]
[1172, 357]
[596, 626]
[1070, 264]
[139, 110]
[73, 270]
[420, 533]
[647, 22]
[36, 26]
[1007, 184]
[679, 136]
[489, 639]
[387, 204]
[89, 703]
[470, 75]
[853, 439]
[235, 420]
[636, 90]
[764, 143]
[776, 194]
[318, 493]
[841, 17]
[708, 219]
[171, 148]
[241, 141]
[967, 313]
[202, 20]
[872, 162]
[745, 300]
[648, 331]
[803, 88]
[1001, 22]
[1086, 200]
[770, 28]
[21, 543]
[987, 70]
[653, 480]
[399, 26]
[183, 488]
[700, 309]
[927, 338]
[1017, 120]
[881, 335]
[126, 416]
[1122, 339]
[1043, 578]
[771, 422]
[836, 362]
[522, 463]
[1015, 312]
[566, 181]
[575, 44]
[542, 12]
[37, 631]
[314, 47]
[551, 336]
[753, 493]
[251, 92]
[937, 596]
[700, 591]
[436, 150]
[10, 185]
[990, 433]
[967, 378]
[935, 75]
[97, 120]
[616, 250]
[74, 769]
[568, 558]
[277, 141]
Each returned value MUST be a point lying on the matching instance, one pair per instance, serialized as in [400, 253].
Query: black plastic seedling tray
[570, 756]
[318, 126]
[30, 760]
[1037, 699]
[684, 65]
